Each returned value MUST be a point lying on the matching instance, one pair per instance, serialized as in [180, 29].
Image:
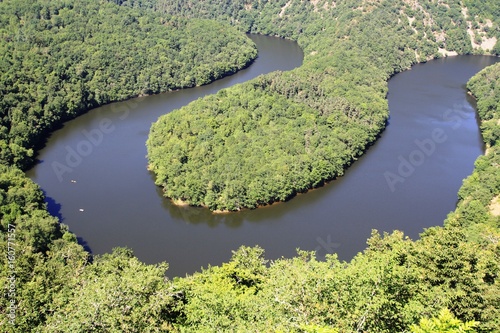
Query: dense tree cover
[444, 322]
[117, 293]
[429, 22]
[60, 58]
[351, 49]
[229, 151]
[388, 288]
[448, 280]
[477, 210]
[43, 258]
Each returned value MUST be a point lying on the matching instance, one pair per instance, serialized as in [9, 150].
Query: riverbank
[122, 174]
[341, 89]
[113, 60]
[409, 280]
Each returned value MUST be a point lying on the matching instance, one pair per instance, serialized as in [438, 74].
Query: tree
[445, 322]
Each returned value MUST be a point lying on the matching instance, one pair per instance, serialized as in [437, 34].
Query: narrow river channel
[408, 180]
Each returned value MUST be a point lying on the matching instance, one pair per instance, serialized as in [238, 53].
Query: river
[93, 171]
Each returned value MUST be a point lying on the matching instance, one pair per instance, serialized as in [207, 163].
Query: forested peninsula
[447, 281]
[284, 133]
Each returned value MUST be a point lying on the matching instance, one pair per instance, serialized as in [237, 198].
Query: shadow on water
[54, 208]
[84, 244]
[264, 214]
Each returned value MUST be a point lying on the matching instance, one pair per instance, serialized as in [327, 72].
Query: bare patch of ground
[495, 206]
[447, 53]
[283, 9]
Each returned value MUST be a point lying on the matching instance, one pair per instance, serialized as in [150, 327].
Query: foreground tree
[445, 322]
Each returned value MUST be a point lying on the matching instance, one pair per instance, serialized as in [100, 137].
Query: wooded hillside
[447, 281]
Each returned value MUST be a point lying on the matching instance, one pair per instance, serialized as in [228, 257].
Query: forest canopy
[267, 149]
[448, 280]
[245, 146]
[62, 58]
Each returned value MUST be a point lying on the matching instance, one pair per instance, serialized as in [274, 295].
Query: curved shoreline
[324, 182]
[321, 183]
[43, 136]
[355, 59]
[412, 265]
[129, 119]
[189, 216]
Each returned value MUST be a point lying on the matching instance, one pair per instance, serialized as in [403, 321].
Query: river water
[93, 172]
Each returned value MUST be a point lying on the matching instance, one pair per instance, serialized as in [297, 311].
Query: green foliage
[476, 214]
[317, 329]
[245, 147]
[445, 322]
[485, 9]
[338, 97]
[60, 59]
[225, 298]
[453, 273]
[117, 293]
[484, 86]
[296, 129]
[476, 208]
[43, 259]
[496, 48]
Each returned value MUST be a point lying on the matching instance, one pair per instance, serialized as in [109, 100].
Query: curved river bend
[93, 171]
